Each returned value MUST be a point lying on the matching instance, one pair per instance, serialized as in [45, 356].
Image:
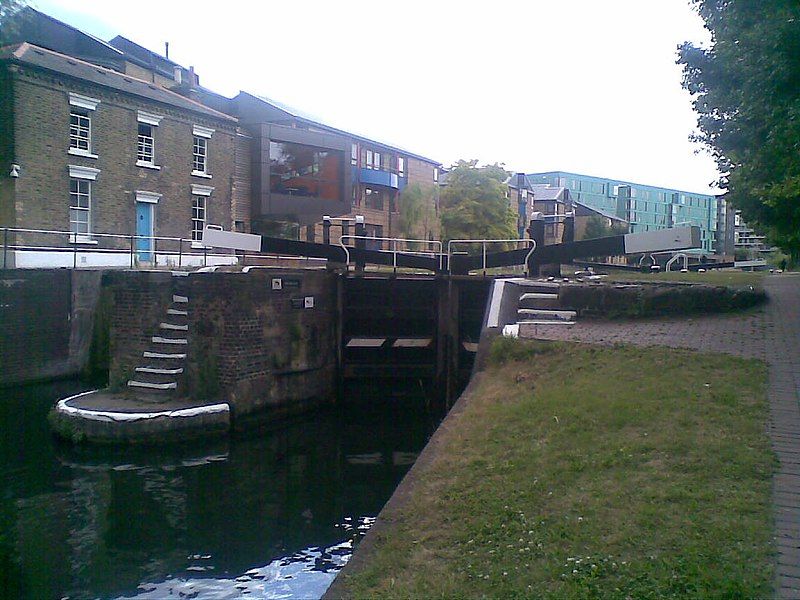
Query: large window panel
[305, 171]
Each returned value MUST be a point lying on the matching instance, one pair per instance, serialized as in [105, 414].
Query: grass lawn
[719, 277]
[579, 471]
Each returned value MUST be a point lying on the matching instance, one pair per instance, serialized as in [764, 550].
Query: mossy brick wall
[256, 347]
[46, 318]
[653, 300]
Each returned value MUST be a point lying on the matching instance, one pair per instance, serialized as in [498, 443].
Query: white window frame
[88, 175]
[200, 153]
[354, 154]
[198, 192]
[82, 106]
[369, 159]
[201, 133]
[401, 166]
[376, 161]
[435, 174]
[153, 120]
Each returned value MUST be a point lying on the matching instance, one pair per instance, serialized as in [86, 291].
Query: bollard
[326, 229]
[536, 231]
[361, 243]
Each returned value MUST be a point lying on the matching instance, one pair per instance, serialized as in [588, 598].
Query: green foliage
[746, 89]
[416, 205]
[474, 203]
[597, 227]
[7, 9]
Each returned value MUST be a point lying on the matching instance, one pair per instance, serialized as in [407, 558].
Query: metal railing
[171, 251]
[483, 249]
[393, 250]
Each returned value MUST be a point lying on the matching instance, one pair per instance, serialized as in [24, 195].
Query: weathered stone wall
[46, 318]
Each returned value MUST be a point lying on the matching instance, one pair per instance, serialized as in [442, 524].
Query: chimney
[177, 74]
[166, 49]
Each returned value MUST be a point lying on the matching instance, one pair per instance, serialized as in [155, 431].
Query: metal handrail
[675, 258]
[483, 249]
[78, 244]
[394, 251]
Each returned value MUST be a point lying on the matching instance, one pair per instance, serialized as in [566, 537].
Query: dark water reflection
[272, 514]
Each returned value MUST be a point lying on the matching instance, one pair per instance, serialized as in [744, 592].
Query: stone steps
[539, 300]
[157, 376]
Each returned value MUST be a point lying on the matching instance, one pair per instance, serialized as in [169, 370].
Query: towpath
[771, 334]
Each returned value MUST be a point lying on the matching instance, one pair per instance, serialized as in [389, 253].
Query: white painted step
[161, 340]
[180, 273]
[179, 299]
[172, 327]
[546, 322]
[164, 355]
[542, 314]
[538, 296]
[176, 312]
[153, 386]
[156, 371]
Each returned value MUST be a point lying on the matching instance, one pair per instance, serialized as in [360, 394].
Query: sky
[585, 86]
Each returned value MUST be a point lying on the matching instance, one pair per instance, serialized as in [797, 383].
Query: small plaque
[298, 302]
[291, 283]
[277, 283]
[308, 302]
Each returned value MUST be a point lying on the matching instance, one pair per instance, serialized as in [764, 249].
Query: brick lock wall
[253, 348]
[42, 140]
[247, 344]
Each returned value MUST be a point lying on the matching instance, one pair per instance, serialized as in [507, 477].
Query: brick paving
[771, 334]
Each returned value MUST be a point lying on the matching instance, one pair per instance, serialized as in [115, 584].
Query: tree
[746, 90]
[474, 203]
[416, 205]
[597, 227]
[7, 9]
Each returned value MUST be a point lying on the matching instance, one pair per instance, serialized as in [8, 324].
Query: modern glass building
[645, 207]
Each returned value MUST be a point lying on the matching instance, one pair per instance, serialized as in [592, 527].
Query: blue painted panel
[382, 178]
[144, 227]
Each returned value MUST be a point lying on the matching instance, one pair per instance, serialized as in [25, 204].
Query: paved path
[771, 334]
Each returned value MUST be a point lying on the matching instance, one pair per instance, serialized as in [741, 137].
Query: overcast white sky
[576, 85]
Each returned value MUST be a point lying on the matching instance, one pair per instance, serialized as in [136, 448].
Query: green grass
[718, 277]
[577, 471]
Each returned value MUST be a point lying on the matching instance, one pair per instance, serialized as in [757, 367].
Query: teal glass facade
[645, 207]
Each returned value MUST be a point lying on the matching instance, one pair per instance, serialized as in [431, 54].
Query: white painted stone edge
[98, 415]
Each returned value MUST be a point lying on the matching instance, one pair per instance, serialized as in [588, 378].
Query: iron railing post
[132, 252]
[180, 253]
[5, 247]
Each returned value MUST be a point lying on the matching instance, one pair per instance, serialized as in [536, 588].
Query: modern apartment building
[644, 207]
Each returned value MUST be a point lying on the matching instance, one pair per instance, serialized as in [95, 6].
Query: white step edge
[175, 311]
[161, 340]
[412, 342]
[174, 327]
[538, 296]
[153, 386]
[179, 299]
[156, 371]
[163, 355]
[545, 313]
[180, 273]
[548, 322]
[365, 342]
[534, 283]
[470, 346]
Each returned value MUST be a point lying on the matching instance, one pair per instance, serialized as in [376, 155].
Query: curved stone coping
[101, 415]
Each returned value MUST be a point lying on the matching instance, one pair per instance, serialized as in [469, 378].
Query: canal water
[273, 513]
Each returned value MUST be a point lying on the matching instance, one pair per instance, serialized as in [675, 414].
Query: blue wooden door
[144, 229]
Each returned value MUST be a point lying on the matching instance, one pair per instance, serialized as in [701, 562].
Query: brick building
[112, 138]
[100, 152]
